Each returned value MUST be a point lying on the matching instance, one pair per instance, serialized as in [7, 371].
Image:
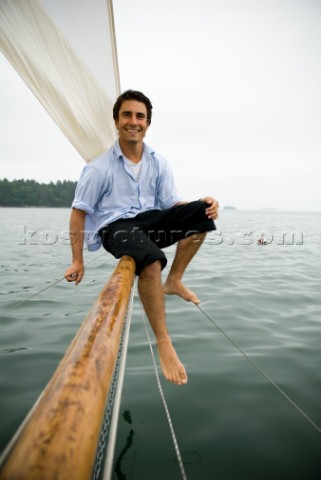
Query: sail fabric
[52, 68]
[88, 25]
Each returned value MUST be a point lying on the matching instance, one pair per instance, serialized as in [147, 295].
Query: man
[126, 198]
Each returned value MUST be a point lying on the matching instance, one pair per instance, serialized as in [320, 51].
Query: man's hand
[76, 227]
[212, 209]
[75, 272]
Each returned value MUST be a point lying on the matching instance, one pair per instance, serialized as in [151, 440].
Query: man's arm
[76, 271]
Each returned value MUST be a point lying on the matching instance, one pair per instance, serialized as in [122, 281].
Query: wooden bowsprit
[59, 438]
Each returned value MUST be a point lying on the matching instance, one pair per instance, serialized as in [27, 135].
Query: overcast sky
[235, 86]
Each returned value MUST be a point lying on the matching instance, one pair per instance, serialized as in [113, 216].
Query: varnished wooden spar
[60, 438]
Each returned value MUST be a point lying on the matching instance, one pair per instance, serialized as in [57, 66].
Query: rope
[176, 447]
[13, 307]
[121, 373]
[259, 369]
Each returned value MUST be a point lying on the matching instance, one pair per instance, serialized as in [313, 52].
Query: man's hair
[133, 95]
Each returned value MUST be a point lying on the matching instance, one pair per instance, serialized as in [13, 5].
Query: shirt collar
[117, 149]
[148, 151]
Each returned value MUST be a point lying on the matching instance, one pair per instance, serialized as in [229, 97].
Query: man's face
[132, 121]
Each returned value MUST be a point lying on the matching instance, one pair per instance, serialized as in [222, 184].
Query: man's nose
[133, 120]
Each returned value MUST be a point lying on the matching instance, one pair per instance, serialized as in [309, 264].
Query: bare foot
[172, 367]
[177, 287]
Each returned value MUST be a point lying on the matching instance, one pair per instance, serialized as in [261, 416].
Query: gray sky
[235, 86]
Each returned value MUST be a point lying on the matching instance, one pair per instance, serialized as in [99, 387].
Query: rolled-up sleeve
[88, 190]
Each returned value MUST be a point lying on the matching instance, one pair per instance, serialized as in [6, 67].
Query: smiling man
[126, 200]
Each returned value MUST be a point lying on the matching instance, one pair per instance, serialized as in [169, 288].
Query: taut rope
[13, 307]
[260, 370]
[176, 447]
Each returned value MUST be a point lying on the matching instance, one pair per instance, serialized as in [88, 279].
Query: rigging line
[13, 307]
[178, 454]
[119, 388]
[259, 369]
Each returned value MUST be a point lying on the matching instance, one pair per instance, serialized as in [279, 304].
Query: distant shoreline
[35, 206]
[30, 193]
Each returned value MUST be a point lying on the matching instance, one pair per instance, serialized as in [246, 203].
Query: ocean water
[231, 423]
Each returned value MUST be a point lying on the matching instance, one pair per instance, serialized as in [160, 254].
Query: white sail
[72, 71]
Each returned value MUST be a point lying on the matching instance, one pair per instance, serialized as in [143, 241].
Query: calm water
[230, 422]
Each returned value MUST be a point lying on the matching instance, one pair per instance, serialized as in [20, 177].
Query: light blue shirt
[107, 190]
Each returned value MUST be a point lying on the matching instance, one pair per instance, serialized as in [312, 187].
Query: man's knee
[200, 223]
[153, 259]
[200, 206]
[151, 270]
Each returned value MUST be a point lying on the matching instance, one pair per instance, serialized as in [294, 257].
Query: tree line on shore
[29, 193]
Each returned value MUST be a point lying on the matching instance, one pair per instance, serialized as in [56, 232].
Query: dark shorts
[143, 236]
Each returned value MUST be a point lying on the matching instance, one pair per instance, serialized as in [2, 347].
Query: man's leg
[186, 249]
[152, 296]
[123, 239]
